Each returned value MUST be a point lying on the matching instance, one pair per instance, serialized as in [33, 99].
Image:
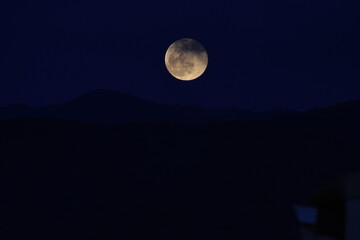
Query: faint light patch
[306, 214]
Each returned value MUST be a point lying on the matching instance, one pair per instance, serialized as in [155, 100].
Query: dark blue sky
[262, 54]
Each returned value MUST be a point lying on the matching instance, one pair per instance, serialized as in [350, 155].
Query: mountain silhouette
[161, 179]
[345, 114]
[108, 107]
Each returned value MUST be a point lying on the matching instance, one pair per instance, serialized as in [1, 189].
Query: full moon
[186, 59]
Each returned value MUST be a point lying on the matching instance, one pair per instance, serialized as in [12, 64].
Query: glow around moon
[186, 59]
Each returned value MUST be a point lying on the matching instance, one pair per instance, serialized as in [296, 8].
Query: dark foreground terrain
[63, 179]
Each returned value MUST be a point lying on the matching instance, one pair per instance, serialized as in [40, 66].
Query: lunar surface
[186, 59]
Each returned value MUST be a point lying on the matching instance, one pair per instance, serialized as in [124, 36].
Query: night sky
[297, 54]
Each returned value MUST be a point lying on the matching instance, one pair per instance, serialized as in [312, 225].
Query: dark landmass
[108, 107]
[157, 179]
